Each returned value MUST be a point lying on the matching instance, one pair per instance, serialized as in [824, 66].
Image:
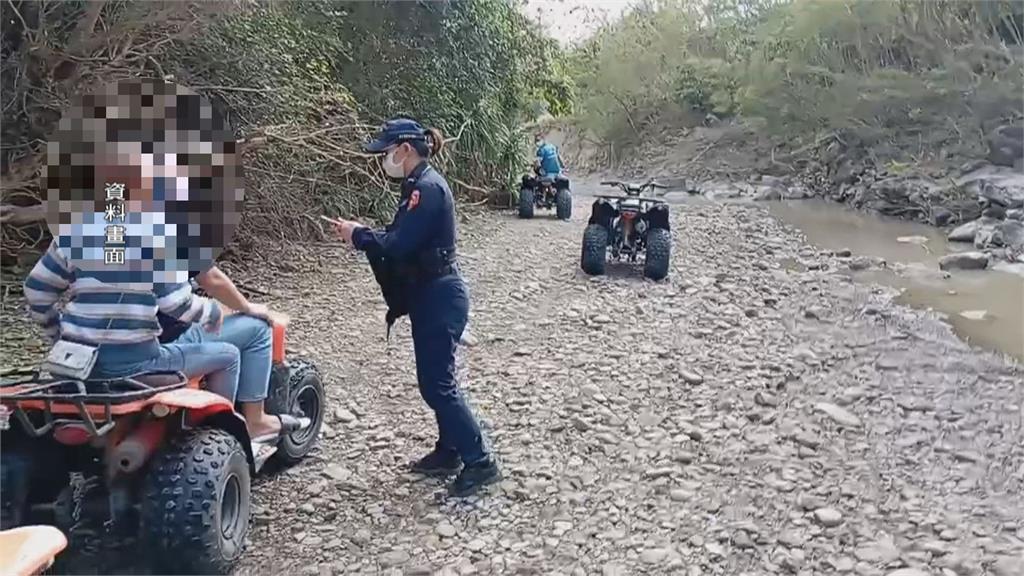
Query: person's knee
[228, 355]
[245, 331]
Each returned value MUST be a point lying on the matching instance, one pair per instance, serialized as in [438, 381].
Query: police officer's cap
[396, 131]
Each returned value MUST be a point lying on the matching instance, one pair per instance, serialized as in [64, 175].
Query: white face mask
[391, 167]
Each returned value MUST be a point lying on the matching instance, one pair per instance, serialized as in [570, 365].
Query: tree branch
[16, 215]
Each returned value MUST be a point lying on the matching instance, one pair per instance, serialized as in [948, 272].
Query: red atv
[152, 457]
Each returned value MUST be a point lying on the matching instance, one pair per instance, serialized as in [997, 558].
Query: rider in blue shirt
[549, 163]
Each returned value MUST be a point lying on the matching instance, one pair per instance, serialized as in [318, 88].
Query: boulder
[964, 261]
[964, 232]
[995, 185]
[942, 216]
[1006, 145]
[1012, 232]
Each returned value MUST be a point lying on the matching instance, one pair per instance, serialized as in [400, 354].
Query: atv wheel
[306, 394]
[659, 252]
[595, 249]
[195, 511]
[526, 203]
[563, 204]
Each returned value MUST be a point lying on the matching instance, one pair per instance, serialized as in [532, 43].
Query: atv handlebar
[634, 189]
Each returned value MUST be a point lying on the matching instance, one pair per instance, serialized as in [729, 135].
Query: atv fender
[205, 408]
[657, 217]
[602, 212]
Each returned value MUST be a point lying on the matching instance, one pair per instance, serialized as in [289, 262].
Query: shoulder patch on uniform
[414, 199]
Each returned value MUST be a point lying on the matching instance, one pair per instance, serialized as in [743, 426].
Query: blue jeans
[438, 318]
[218, 361]
[252, 337]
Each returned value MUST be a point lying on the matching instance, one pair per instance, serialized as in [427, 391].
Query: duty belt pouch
[71, 360]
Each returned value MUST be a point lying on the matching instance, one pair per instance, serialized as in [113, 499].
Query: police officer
[414, 261]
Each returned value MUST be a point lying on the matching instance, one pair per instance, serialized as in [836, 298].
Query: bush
[304, 82]
[939, 73]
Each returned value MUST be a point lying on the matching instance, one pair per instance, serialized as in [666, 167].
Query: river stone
[974, 314]
[828, 517]
[997, 185]
[689, 376]
[964, 261]
[909, 572]
[1005, 145]
[1009, 566]
[394, 558]
[1012, 233]
[994, 211]
[839, 415]
[964, 232]
[942, 216]
[654, 555]
[445, 530]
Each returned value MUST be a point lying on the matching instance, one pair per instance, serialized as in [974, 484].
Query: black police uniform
[414, 259]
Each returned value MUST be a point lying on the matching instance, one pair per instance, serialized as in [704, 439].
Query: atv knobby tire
[196, 504]
[595, 249]
[563, 204]
[526, 203]
[659, 253]
[306, 398]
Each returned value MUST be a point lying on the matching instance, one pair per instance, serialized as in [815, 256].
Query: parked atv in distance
[153, 459]
[545, 192]
[625, 228]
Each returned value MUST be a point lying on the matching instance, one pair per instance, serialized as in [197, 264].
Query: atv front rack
[621, 197]
[92, 401]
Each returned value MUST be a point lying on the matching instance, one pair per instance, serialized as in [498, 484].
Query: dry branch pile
[300, 160]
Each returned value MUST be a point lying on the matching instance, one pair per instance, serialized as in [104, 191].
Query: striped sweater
[100, 313]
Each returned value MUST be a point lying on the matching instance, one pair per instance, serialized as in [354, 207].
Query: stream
[986, 308]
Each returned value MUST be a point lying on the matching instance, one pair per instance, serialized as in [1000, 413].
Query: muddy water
[912, 252]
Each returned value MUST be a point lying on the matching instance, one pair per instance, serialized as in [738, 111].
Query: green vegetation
[884, 73]
[303, 82]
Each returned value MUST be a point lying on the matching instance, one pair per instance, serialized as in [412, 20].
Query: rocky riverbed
[983, 206]
[745, 417]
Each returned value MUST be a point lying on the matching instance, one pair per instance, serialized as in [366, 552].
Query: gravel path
[743, 418]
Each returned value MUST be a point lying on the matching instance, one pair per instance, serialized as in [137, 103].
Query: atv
[625, 228]
[152, 457]
[545, 192]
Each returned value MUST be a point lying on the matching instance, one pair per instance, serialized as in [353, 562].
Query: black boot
[440, 462]
[474, 477]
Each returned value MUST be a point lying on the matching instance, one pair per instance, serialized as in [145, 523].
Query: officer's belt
[428, 265]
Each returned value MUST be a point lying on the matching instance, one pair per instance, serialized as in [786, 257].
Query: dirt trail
[748, 416]
[741, 418]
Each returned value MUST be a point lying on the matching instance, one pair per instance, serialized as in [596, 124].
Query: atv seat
[30, 550]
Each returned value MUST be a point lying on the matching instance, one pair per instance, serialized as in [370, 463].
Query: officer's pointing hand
[344, 229]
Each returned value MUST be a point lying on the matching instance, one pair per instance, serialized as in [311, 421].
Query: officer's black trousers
[438, 316]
